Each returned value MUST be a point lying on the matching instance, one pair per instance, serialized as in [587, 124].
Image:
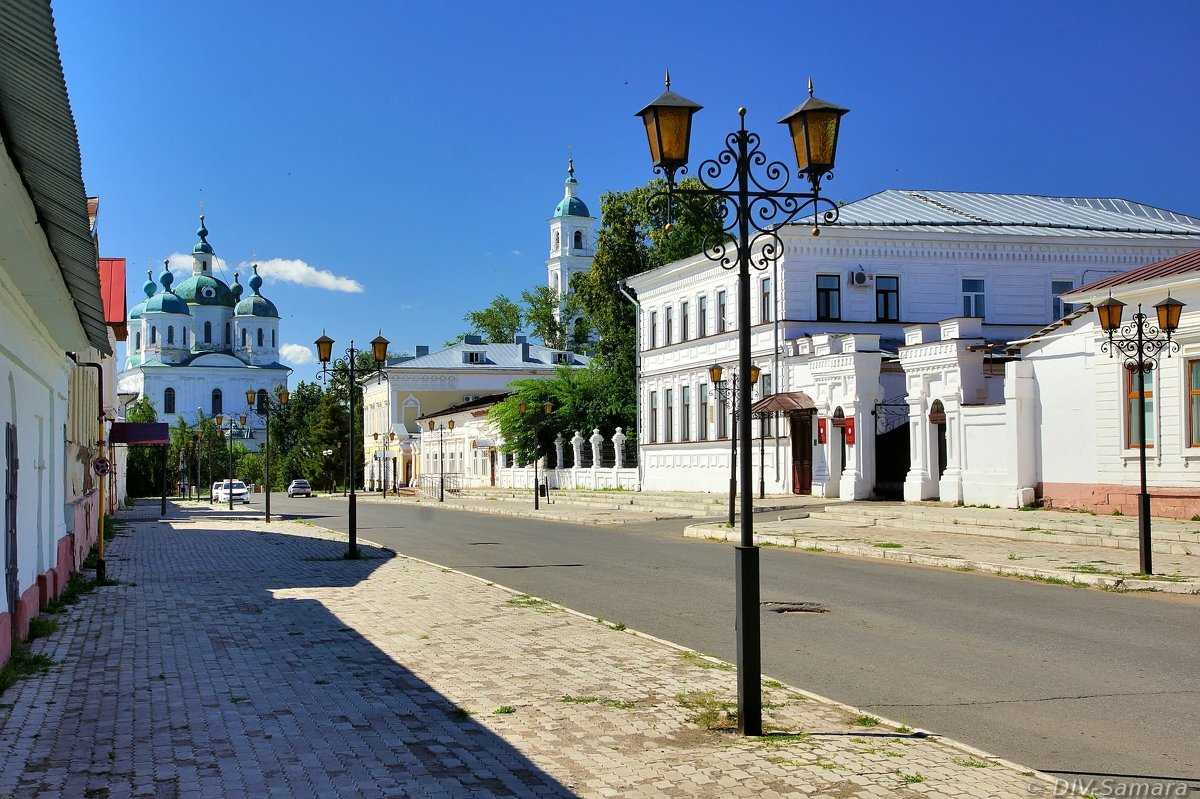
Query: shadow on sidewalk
[193, 675]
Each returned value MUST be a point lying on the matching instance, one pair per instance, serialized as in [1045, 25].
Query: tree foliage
[498, 323]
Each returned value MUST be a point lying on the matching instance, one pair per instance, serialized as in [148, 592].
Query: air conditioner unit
[858, 278]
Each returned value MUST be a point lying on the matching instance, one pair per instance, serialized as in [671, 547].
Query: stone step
[1162, 544]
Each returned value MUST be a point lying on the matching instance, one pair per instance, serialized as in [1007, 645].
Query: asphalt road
[1066, 680]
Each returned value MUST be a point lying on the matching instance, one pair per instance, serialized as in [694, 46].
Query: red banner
[849, 428]
[822, 431]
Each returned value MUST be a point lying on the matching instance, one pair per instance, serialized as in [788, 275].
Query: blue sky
[417, 149]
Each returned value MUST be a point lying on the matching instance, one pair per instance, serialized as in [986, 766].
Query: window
[702, 317]
[562, 358]
[829, 298]
[169, 400]
[683, 321]
[720, 311]
[767, 425]
[217, 404]
[766, 309]
[273, 338]
[153, 335]
[555, 245]
[208, 332]
[653, 417]
[1133, 433]
[228, 337]
[260, 337]
[473, 356]
[262, 399]
[1193, 403]
[1061, 308]
[669, 414]
[653, 329]
[972, 296]
[702, 429]
[670, 321]
[578, 240]
[722, 421]
[137, 340]
[243, 336]
[171, 334]
[887, 299]
[685, 418]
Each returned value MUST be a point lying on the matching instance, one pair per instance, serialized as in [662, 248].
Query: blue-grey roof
[571, 206]
[1016, 214]
[495, 356]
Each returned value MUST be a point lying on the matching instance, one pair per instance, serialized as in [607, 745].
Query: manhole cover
[794, 607]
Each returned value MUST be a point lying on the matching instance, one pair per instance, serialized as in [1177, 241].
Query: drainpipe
[775, 371]
[100, 570]
[637, 366]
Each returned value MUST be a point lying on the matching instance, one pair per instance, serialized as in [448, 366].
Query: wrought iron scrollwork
[1139, 352]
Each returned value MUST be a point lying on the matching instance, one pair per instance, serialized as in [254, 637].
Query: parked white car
[299, 488]
[240, 493]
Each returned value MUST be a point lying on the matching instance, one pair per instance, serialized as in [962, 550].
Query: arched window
[217, 403]
[171, 334]
[260, 337]
[208, 332]
[263, 398]
[137, 340]
[273, 344]
[153, 334]
[243, 336]
[555, 245]
[578, 239]
[169, 400]
[228, 338]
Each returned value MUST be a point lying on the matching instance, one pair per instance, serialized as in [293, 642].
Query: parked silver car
[299, 488]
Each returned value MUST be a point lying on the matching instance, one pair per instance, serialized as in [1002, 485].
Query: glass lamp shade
[1169, 311]
[668, 123]
[219, 419]
[324, 348]
[242, 420]
[392, 436]
[1109, 311]
[250, 395]
[375, 436]
[431, 425]
[379, 346]
[754, 373]
[522, 407]
[450, 424]
[714, 373]
[814, 127]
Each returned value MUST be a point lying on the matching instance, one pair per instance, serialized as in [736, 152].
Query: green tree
[498, 323]
[143, 466]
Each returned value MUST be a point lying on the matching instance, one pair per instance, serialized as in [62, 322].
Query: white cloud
[517, 253]
[180, 264]
[291, 270]
[296, 353]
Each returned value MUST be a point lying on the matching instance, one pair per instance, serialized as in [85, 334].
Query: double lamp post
[727, 393]
[264, 406]
[752, 193]
[547, 409]
[441, 431]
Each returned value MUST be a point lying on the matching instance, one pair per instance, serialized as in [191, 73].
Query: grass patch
[772, 684]
[709, 712]
[886, 545]
[865, 721]
[504, 710]
[910, 779]
[533, 603]
[1014, 556]
[612, 625]
[40, 627]
[23, 663]
[74, 590]
[971, 762]
[701, 662]
[812, 549]
[785, 738]
[904, 729]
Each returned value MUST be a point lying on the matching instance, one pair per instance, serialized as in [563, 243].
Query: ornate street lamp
[241, 421]
[1139, 342]
[441, 455]
[329, 367]
[387, 441]
[264, 406]
[755, 206]
[547, 409]
[728, 392]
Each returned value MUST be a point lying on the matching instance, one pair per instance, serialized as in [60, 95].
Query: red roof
[112, 292]
[1179, 265]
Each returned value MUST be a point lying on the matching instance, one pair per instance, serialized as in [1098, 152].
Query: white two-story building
[998, 264]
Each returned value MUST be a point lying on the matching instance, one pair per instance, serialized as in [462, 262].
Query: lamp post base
[352, 514]
[1147, 557]
[749, 665]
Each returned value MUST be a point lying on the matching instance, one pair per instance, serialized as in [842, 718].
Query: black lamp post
[754, 206]
[547, 409]
[387, 442]
[379, 346]
[196, 460]
[229, 431]
[441, 455]
[1139, 342]
[264, 406]
[728, 392]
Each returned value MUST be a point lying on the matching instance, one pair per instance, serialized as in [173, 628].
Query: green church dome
[202, 246]
[571, 206]
[205, 290]
[149, 286]
[256, 304]
[166, 301]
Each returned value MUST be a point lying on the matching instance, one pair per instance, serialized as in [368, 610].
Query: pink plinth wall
[5, 637]
[86, 508]
[1103, 499]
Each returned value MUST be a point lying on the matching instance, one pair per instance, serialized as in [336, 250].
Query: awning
[788, 402]
[144, 433]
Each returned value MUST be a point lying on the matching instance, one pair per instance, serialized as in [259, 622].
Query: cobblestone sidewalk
[235, 659]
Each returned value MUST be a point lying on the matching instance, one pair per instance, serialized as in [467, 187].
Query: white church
[197, 347]
[572, 242]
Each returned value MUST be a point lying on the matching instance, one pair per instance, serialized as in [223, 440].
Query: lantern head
[1109, 312]
[250, 395]
[324, 348]
[1169, 311]
[668, 122]
[814, 127]
[450, 424]
[379, 346]
[714, 373]
[754, 373]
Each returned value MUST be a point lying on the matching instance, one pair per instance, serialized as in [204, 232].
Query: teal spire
[149, 286]
[236, 288]
[256, 281]
[166, 301]
[256, 304]
[570, 204]
[166, 278]
[202, 245]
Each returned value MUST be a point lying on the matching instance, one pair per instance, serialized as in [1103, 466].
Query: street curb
[1115, 584]
[541, 514]
[917, 732]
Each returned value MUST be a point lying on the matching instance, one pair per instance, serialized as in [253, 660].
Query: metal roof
[478, 402]
[1015, 214]
[1168, 267]
[495, 356]
[40, 136]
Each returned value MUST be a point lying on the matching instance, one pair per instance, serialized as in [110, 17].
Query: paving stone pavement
[240, 659]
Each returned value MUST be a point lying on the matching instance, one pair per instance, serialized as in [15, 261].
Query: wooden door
[802, 445]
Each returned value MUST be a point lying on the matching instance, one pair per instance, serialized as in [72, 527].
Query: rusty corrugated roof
[1178, 265]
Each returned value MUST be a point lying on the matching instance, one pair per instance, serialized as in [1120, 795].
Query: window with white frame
[653, 329]
[1061, 309]
[722, 321]
[702, 316]
[683, 321]
[669, 319]
[653, 417]
[702, 422]
[1193, 402]
[668, 416]
[685, 413]
[973, 297]
[1136, 384]
[766, 311]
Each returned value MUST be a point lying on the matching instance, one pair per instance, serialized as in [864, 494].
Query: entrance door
[801, 453]
[492, 466]
[11, 584]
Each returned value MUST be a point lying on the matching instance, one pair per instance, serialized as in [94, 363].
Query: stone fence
[593, 462]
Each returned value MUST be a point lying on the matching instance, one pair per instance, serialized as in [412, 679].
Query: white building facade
[196, 348]
[831, 321]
